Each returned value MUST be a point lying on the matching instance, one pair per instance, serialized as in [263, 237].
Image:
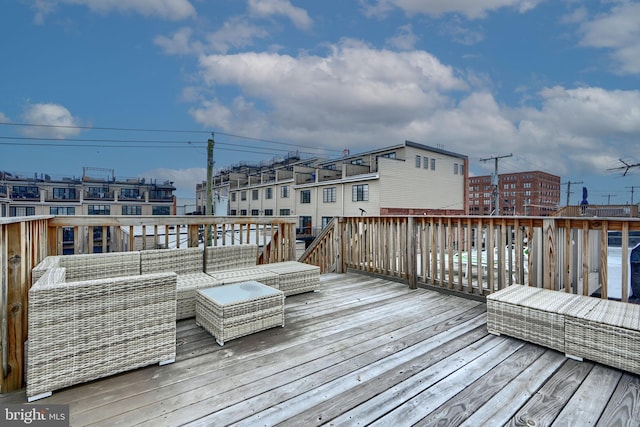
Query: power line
[140, 141]
[159, 131]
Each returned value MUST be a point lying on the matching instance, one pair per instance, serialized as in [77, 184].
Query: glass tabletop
[228, 294]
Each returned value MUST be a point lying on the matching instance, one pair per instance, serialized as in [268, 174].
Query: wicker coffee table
[239, 309]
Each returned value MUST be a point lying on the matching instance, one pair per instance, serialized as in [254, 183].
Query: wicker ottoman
[295, 277]
[533, 314]
[608, 333]
[236, 310]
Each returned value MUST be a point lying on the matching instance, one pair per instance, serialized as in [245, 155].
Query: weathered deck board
[361, 350]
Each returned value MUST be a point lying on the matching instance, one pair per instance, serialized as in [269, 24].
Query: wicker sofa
[582, 327]
[88, 329]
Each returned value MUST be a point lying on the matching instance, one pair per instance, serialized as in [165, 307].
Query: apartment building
[91, 194]
[404, 179]
[531, 193]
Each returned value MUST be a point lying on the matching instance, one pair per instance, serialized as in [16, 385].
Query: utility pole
[496, 191]
[209, 208]
[569, 188]
[632, 187]
[608, 196]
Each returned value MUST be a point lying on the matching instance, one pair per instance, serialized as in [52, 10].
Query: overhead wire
[125, 129]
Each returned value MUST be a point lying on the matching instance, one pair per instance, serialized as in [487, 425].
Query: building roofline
[434, 149]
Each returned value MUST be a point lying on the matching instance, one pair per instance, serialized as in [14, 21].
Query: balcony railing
[467, 255]
[480, 255]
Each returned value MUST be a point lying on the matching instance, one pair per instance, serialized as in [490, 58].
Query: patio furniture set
[95, 315]
[582, 327]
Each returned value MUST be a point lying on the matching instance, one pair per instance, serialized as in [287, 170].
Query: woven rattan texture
[608, 333]
[230, 257]
[186, 294]
[226, 322]
[295, 277]
[180, 261]
[535, 315]
[238, 275]
[80, 331]
[100, 266]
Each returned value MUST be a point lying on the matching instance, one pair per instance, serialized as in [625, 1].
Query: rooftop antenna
[626, 167]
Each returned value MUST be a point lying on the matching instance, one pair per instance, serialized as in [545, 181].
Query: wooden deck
[359, 351]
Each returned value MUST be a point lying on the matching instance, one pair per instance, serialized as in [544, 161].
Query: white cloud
[166, 9]
[353, 83]
[618, 31]
[179, 43]
[52, 120]
[472, 9]
[236, 33]
[405, 39]
[4, 118]
[266, 8]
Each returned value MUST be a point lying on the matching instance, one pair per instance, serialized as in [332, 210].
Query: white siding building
[405, 179]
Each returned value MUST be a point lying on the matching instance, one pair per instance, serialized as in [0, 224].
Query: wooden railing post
[550, 256]
[338, 241]
[412, 267]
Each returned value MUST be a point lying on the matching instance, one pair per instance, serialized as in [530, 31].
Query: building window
[329, 195]
[305, 224]
[433, 164]
[131, 210]
[305, 196]
[22, 210]
[527, 185]
[99, 210]
[357, 162]
[254, 194]
[160, 194]
[243, 195]
[255, 212]
[243, 212]
[130, 193]
[284, 191]
[417, 161]
[24, 192]
[455, 169]
[268, 212]
[98, 192]
[64, 193]
[161, 210]
[233, 196]
[391, 155]
[268, 193]
[425, 162]
[326, 220]
[62, 210]
[360, 193]
[233, 212]
[285, 212]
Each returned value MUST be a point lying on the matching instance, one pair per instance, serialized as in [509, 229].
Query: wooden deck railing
[25, 241]
[479, 255]
[465, 254]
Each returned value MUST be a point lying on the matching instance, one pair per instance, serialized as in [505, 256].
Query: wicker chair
[84, 330]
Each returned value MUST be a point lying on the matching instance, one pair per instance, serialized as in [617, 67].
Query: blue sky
[138, 86]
